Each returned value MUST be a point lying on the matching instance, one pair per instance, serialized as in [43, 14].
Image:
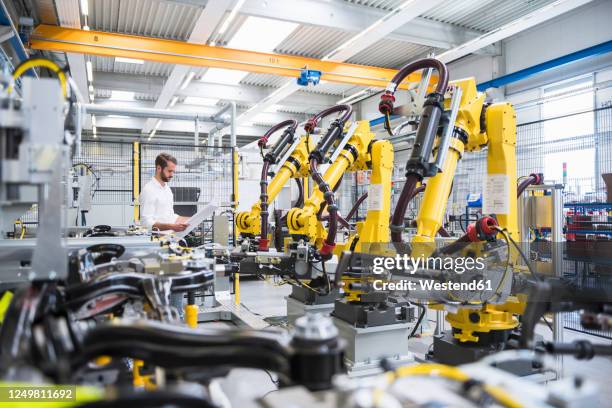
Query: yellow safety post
[191, 311]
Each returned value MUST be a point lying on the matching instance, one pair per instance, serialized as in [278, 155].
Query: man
[157, 200]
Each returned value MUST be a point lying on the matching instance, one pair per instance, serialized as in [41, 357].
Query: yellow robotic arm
[248, 223]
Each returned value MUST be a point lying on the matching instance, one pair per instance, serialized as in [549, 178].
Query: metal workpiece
[315, 327]
[367, 347]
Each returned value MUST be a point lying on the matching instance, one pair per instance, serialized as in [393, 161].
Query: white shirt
[157, 204]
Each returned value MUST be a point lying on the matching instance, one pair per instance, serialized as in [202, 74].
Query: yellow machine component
[303, 221]
[433, 206]
[372, 235]
[501, 160]
[5, 302]
[191, 315]
[374, 230]
[40, 62]
[139, 380]
[484, 320]
[103, 360]
[499, 136]
[249, 222]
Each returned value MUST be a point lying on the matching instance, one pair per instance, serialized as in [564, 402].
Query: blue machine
[308, 76]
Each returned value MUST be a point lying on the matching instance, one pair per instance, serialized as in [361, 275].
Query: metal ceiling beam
[51, 38]
[521, 24]
[203, 29]
[354, 18]
[246, 94]
[364, 39]
[69, 15]
[382, 28]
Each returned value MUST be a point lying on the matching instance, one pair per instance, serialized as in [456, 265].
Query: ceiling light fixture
[85, 7]
[129, 60]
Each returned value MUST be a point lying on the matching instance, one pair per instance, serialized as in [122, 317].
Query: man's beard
[164, 178]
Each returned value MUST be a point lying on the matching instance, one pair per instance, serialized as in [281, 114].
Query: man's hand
[178, 227]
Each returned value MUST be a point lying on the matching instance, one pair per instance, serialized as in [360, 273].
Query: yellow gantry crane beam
[60, 39]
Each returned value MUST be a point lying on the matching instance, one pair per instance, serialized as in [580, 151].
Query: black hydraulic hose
[332, 226]
[333, 132]
[423, 63]
[336, 187]
[356, 205]
[397, 220]
[531, 179]
[271, 158]
[580, 349]
[311, 124]
[263, 203]
[418, 164]
[300, 201]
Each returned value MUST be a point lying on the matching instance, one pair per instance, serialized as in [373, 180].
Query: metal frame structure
[59, 39]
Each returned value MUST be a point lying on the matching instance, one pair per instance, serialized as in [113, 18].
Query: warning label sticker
[496, 194]
[375, 197]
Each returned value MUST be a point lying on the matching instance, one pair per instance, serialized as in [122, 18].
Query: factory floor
[268, 300]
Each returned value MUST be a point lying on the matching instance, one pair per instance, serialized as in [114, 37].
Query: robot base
[303, 301]
[447, 350]
[367, 347]
[296, 309]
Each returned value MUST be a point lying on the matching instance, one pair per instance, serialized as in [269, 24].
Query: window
[565, 129]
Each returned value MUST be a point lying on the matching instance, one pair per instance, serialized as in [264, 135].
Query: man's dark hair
[162, 160]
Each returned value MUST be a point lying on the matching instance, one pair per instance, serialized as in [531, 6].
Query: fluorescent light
[95, 132]
[224, 76]
[91, 88]
[157, 125]
[119, 116]
[86, 27]
[93, 120]
[122, 95]
[273, 108]
[85, 7]
[89, 71]
[129, 60]
[187, 80]
[91, 96]
[353, 96]
[231, 17]
[260, 34]
[173, 101]
[199, 101]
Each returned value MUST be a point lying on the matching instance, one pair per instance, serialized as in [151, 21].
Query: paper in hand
[197, 219]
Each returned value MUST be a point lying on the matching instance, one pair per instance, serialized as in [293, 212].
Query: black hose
[356, 205]
[311, 124]
[300, 200]
[531, 179]
[417, 166]
[269, 159]
[332, 226]
[420, 319]
[397, 220]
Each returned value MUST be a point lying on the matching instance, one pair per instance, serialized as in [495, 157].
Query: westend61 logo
[402, 264]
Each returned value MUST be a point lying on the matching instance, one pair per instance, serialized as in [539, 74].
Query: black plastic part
[313, 364]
